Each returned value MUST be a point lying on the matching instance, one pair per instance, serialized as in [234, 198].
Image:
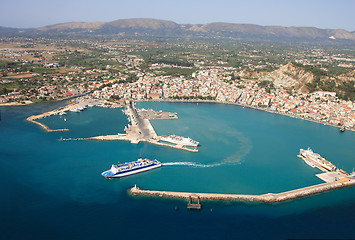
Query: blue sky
[316, 13]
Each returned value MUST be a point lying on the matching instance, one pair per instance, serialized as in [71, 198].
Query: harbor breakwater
[33, 118]
[266, 198]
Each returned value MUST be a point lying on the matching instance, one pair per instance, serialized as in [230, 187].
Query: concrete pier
[268, 198]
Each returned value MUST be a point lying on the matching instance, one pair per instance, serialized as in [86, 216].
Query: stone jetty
[33, 118]
[267, 198]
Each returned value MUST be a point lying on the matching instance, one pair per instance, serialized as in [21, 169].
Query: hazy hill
[147, 26]
[276, 31]
[6, 30]
[140, 25]
[71, 26]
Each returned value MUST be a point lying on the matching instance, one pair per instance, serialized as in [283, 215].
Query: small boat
[74, 110]
[342, 129]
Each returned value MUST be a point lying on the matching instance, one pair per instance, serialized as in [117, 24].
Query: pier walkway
[268, 198]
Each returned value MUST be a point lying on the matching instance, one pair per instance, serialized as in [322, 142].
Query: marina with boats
[141, 130]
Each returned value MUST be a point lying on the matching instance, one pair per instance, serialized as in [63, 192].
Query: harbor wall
[33, 118]
[268, 198]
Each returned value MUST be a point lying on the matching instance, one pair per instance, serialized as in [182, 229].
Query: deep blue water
[53, 189]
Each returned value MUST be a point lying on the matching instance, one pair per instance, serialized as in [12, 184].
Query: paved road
[142, 124]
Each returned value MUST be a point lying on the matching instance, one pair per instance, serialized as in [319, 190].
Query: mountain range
[155, 27]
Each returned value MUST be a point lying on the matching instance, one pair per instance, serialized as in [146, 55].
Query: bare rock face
[286, 76]
[289, 76]
[346, 77]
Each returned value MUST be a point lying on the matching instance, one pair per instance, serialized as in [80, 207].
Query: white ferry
[315, 159]
[126, 169]
[179, 140]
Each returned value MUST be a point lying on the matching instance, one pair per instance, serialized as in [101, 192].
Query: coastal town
[50, 71]
[177, 120]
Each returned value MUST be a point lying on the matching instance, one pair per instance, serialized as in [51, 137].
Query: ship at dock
[315, 160]
[178, 140]
[130, 168]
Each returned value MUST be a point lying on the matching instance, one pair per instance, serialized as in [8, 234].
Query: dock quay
[264, 198]
[125, 137]
[150, 114]
[334, 176]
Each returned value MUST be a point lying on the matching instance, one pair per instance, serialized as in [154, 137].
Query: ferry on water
[179, 140]
[130, 168]
[315, 160]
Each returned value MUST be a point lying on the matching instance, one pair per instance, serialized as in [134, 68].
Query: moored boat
[74, 110]
[179, 140]
[307, 161]
[130, 168]
[315, 159]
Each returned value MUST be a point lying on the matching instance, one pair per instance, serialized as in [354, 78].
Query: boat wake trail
[198, 165]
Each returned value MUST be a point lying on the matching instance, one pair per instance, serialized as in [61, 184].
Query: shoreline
[14, 104]
[248, 106]
[263, 198]
[209, 101]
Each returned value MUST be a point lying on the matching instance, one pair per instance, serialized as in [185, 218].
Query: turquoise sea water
[53, 189]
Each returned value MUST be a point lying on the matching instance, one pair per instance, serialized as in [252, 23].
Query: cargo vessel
[130, 168]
